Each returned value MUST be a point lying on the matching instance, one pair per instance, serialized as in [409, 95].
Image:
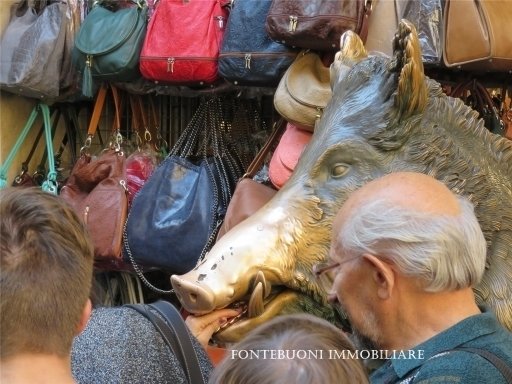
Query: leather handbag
[96, 189]
[248, 56]
[50, 183]
[287, 154]
[474, 94]
[304, 91]
[175, 216]
[183, 41]
[108, 44]
[250, 195]
[32, 47]
[316, 24]
[477, 35]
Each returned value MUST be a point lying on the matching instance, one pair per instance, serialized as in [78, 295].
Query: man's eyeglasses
[326, 272]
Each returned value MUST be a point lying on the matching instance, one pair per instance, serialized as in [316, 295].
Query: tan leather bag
[250, 195]
[304, 91]
[478, 35]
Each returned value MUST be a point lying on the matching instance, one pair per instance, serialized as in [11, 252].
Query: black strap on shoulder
[500, 365]
[176, 336]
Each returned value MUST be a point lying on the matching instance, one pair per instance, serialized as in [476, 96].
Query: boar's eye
[339, 170]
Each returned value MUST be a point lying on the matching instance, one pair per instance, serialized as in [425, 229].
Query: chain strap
[136, 268]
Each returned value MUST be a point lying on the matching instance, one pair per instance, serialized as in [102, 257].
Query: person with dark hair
[405, 256]
[297, 348]
[46, 269]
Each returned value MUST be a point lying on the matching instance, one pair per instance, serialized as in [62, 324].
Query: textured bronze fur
[385, 116]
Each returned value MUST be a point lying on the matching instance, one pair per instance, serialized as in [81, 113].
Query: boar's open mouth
[261, 303]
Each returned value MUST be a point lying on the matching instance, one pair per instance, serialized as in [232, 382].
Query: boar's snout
[197, 299]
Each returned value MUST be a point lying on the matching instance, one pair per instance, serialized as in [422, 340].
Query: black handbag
[174, 218]
[248, 56]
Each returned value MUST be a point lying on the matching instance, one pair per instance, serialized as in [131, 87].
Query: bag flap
[308, 81]
[103, 31]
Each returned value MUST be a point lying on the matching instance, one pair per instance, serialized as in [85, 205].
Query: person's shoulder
[458, 366]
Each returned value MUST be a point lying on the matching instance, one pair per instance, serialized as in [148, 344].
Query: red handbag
[183, 41]
[143, 161]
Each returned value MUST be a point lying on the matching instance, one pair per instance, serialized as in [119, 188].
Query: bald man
[404, 257]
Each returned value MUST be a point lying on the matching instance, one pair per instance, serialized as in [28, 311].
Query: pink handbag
[287, 154]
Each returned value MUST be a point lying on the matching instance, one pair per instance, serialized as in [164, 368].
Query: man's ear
[86, 314]
[382, 274]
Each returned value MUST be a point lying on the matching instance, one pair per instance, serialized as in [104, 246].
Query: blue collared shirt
[478, 331]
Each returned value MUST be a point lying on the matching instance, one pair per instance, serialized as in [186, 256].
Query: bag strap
[97, 111]
[499, 363]
[17, 145]
[40, 172]
[368, 7]
[50, 185]
[176, 336]
[258, 161]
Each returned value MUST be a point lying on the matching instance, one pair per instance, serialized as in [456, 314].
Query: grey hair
[445, 252]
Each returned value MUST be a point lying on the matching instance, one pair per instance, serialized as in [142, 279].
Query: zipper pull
[123, 184]
[293, 24]
[170, 64]
[220, 19]
[88, 61]
[86, 214]
[248, 60]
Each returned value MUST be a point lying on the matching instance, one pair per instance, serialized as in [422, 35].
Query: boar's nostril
[195, 298]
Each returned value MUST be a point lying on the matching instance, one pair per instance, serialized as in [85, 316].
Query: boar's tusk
[256, 306]
[260, 278]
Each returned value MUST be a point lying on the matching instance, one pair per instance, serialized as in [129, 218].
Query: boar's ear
[412, 90]
[351, 51]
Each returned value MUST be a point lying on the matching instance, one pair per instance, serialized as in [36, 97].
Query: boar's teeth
[256, 306]
[260, 278]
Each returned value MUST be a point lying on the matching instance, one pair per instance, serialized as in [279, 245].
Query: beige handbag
[477, 35]
[304, 91]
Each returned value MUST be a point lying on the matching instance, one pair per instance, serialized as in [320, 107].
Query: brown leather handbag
[304, 91]
[316, 24]
[477, 35]
[96, 189]
[250, 195]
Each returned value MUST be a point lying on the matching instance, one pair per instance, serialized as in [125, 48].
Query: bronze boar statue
[385, 115]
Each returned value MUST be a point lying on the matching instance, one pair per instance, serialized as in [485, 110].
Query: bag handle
[175, 335]
[368, 7]
[17, 145]
[136, 120]
[96, 114]
[40, 170]
[160, 145]
[50, 184]
[24, 164]
[258, 161]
